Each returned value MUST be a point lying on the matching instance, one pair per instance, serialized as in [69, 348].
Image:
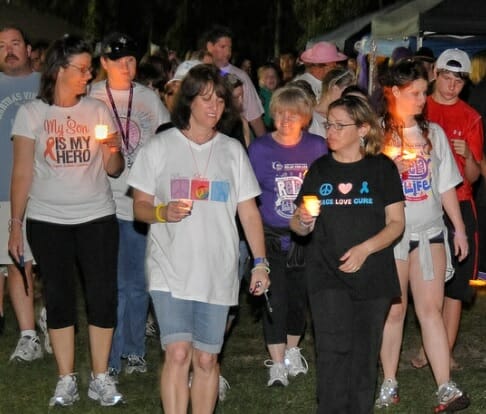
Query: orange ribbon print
[50, 149]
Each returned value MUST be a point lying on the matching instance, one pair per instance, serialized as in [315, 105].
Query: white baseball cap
[454, 60]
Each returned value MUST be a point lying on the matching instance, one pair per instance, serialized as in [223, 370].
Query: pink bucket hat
[322, 52]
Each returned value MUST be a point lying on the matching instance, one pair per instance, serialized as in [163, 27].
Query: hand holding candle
[312, 204]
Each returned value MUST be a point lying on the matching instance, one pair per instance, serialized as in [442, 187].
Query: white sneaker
[136, 363]
[295, 362]
[42, 322]
[223, 388]
[278, 374]
[102, 388]
[388, 394]
[28, 349]
[66, 391]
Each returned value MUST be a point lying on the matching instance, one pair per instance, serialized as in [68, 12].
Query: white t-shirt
[315, 83]
[147, 114]
[430, 175]
[70, 185]
[197, 258]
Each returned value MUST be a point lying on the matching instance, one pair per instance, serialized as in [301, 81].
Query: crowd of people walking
[165, 183]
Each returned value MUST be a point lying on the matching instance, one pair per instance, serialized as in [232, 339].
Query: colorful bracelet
[158, 216]
[260, 260]
[14, 220]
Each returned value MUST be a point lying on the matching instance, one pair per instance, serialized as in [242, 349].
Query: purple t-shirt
[280, 171]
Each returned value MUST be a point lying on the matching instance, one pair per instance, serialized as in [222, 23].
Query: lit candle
[408, 155]
[312, 204]
[101, 131]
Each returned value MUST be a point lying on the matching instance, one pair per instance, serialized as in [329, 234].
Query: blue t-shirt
[14, 91]
[280, 171]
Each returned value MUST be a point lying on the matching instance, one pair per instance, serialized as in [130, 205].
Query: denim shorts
[180, 320]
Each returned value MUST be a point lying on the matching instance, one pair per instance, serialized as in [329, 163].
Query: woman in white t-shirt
[189, 182]
[60, 183]
[429, 176]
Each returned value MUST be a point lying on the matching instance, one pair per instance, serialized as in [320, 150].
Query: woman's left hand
[260, 281]
[353, 259]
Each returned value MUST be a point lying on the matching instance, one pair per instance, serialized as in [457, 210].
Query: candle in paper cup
[312, 204]
[101, 131]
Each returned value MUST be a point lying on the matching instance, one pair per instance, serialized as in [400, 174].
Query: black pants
[288, 296]
[348, 339]
[93, 246]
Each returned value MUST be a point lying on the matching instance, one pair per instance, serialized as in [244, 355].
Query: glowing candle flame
[312, 204]
[101, 131]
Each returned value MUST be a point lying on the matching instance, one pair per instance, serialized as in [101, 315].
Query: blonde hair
[340, 77]
[478, 67]
[293, 99]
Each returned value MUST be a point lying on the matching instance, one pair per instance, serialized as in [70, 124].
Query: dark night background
[262, 28]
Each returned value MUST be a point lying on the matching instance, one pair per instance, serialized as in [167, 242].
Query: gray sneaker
[102, 388]
[278, 374]
[223, 388]
[295, 362]
[28, 349]
[136, 363]
[451, 398]
[388, 394]
[66, 391]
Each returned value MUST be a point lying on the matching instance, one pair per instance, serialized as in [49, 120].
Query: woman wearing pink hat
[318, 61]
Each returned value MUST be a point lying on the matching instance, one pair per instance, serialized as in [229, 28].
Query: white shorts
[4, 218]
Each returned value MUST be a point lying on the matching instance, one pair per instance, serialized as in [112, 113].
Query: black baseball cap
[117, 45]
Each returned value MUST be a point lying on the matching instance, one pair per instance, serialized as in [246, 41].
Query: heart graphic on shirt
[345, 188]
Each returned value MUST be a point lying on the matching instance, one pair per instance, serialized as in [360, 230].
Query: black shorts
[439, 239]
[458, 287]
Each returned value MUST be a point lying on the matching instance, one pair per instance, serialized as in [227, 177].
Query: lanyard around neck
[124, 133]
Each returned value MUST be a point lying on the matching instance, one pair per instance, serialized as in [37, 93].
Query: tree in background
[262, 28]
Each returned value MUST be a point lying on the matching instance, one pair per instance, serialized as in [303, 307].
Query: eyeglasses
[83, 71]
[337, 126]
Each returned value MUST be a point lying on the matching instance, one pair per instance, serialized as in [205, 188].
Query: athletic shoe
[136, 363]
[295, 362]
[223, 388]
[151, 327]
[278, 374]
[113, 373]
[388, 394]
[28, 349]
[102, 388]
[66, 391]
[451, 398]
[42, 322]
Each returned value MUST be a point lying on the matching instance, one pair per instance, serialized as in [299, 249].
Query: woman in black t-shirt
[351, 272]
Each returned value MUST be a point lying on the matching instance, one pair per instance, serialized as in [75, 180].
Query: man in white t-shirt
[218, 42]
[137, 111]
[18, 84]
[318, 61]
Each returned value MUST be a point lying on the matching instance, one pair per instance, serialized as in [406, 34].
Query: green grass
[26, 388]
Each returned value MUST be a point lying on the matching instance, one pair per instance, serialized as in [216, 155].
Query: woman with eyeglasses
[350, 269]
[60, 183]
[280, 160]
[429, 178]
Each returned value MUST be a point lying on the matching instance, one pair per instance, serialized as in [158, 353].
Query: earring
[361, 141]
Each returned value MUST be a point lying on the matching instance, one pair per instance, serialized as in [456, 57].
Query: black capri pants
[93, 247]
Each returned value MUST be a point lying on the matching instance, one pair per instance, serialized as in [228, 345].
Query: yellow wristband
[158, 216]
